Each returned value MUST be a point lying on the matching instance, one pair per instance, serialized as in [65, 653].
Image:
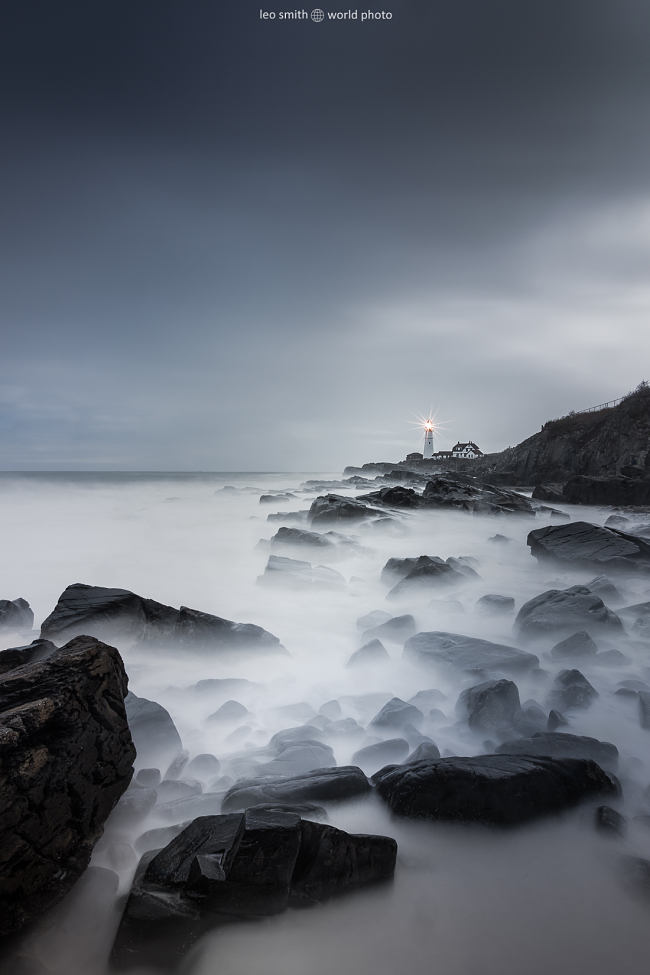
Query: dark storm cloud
[207, 217]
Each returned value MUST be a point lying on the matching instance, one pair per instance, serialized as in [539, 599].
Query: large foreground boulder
[564, 611]
[582, 544]
[467, 653]
[494, 789]
[241, 866]
[118, 613]
[557, 744]
[66, 757]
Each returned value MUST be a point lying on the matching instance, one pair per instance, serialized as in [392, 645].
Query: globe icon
[317, 15]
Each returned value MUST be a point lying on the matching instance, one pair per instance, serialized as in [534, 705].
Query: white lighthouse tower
[428, 439]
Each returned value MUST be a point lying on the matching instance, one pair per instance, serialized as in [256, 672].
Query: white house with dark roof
[468, 449]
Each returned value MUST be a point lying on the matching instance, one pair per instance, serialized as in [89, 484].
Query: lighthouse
[428, 439]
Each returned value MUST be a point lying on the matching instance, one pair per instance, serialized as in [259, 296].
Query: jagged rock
[30, 654]
[156, 740]
[373, 652]
[66, 757]
[582, 544]
[15, 614]
[467, 653]
[381, 753]
[396, 714]
[491, 706]
[228, 867]
[467, 494]
[320, 785]
[396, 629]
[333, 508]
[577, 645]
[118, 613]
[572, 690]
[565, 611]
[561, 745]
[499, 789]
[495, 604]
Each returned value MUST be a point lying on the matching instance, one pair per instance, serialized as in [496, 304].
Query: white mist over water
[544, 897]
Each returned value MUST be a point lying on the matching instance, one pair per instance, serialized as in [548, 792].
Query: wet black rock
[427, 574]
[582, 544]
[494, 789]
[492, 706]
[467, 653]
[15, 614]
[549, 492]
[320, 785]
[302, 539]
[373, 652]
[30, 654]
[562, 745]
[427, 751]
[396, 629]
[577, 645]
[66, 758]
[229, 867]
[495, 604]
[396, 714]
[582, 489]
[381, 753]
[572, 690]
[155, 737]
[467, 494]
[565, 611]
[118, 613]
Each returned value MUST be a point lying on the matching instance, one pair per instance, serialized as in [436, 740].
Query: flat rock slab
[467, 653]
[501, 790]
[557, 744]
[66, 757]
[120, 614]
[319, 785]
[584, 544]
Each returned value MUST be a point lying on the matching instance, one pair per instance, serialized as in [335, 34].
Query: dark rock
[124, 615]
[381, 753]
[496, 789]
[578, 645]
[555, 720]
[155, 737]
[20, 656]
[148, 778]
[393, 497]
[396, 629]
[571, 689]
[467, 653]
[278, 496]
[582, 544]
[302, 539]
[396, 714]
[320, 785]
[333, 508]
[66, 758]
[373, 652]
[467, 494]
[608, 820]
[549, 492]
[491, 706]
[15, 614]
[565, 611]
[607, 490]
[426, 575]
[223, 868]
[561, 745]
[496, 604]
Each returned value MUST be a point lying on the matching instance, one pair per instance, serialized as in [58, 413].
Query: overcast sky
[236, 244]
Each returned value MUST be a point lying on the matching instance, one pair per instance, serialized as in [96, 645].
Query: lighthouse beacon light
[428, 438]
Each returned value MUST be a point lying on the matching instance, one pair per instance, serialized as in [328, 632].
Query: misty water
[550, 896]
